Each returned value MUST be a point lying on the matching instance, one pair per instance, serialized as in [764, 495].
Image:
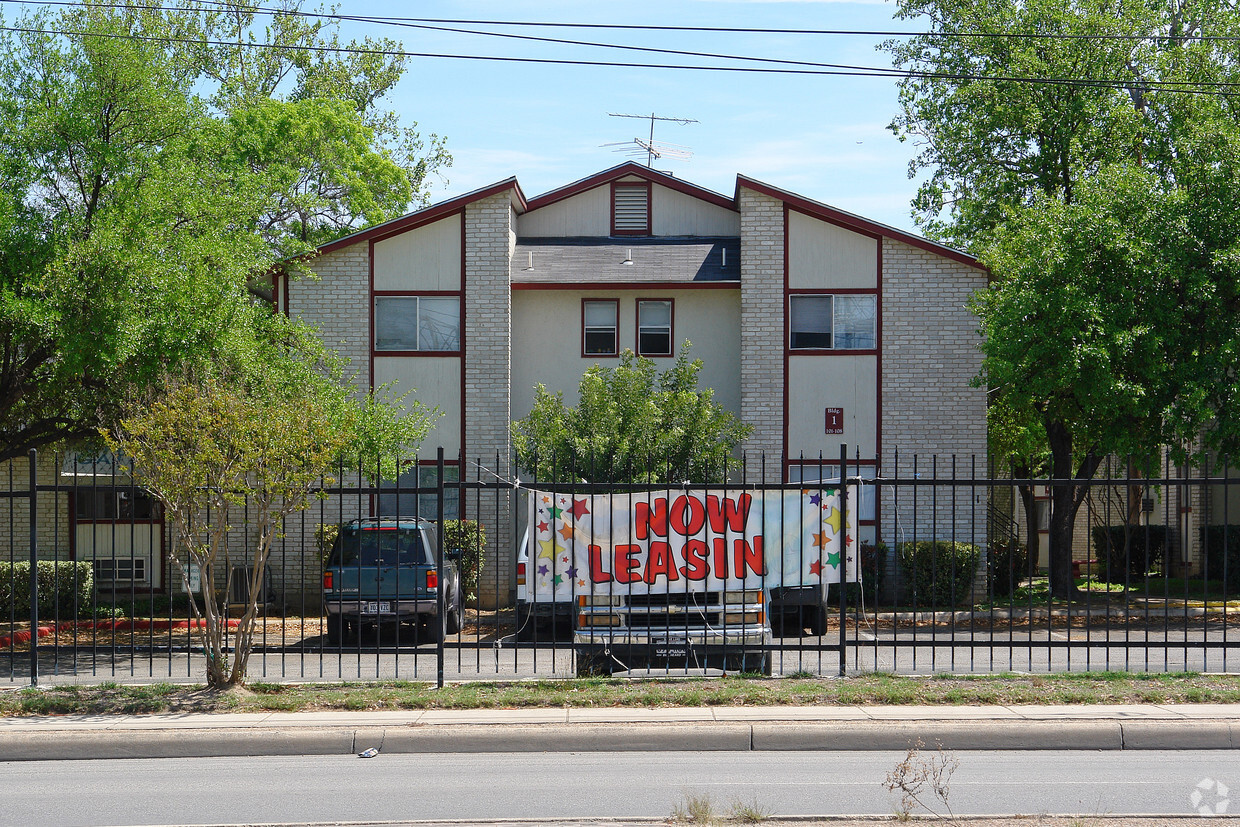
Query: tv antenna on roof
[652, 149]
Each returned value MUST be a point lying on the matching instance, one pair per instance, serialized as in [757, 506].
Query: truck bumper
[746, 649]
[375, 611]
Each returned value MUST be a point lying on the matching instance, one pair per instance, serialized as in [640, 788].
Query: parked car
[381, 573]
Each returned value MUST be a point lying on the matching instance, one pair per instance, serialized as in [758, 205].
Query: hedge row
[1220, 548]
[65, 589]
[1129, 552]
[940, 572]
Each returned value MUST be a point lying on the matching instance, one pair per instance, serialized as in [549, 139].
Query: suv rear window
[378, 546]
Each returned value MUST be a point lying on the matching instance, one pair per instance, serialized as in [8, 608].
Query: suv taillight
[432, 580]
[327, 581]
[520, 574]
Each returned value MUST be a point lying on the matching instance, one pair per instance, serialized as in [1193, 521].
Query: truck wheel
[338, 630]
[592, 664]
[525, 624]
[818, 620]
[453, 620]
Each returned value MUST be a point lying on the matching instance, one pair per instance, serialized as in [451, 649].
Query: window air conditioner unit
[120, 570]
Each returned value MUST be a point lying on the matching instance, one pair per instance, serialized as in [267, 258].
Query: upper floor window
[630, 208]
[599, 323]
[654, 327]
[823, 321]
[406, 323]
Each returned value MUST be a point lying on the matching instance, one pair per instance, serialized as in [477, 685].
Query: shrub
[940, 572]
[471, 538]
[1220, 548]
[1122, 561]
[1007, 564]
[65, 588]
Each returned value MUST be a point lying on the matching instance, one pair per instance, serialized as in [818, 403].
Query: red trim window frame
[586, 353]
[832, 350]
[671, 327]
[618, 185]
[416, 294]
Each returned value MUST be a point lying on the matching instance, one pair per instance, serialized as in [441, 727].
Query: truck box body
[682, 576]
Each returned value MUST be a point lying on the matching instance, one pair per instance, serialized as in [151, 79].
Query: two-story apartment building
[817, 327]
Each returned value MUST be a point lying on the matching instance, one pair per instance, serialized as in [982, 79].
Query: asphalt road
[584, 785]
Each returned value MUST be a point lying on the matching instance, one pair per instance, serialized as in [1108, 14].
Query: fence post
[34, 572]
[843, 553]
[439, 601]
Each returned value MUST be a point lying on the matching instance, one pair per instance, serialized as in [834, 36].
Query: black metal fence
[953, 561]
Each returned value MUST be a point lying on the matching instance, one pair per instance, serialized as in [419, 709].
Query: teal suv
[381, 573]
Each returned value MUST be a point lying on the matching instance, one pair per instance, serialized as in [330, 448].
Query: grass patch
[867, 690]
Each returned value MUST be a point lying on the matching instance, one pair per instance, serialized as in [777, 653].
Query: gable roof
[626, 169]
[428, 214]
[809, 206]
[854, 222]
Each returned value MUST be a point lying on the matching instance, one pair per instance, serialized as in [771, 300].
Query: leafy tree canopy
[259, 432]
[150, 169]
[632, 425]
[1087, 152]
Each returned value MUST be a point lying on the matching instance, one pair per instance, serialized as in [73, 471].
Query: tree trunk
[1064, 502]
[1030, 506]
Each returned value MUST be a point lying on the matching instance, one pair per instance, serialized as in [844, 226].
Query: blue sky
[824, 137]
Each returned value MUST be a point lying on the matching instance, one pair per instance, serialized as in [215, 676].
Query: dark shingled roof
[601, 260]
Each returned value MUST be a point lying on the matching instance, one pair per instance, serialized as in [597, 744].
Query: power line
[838, 70]
[434, 22]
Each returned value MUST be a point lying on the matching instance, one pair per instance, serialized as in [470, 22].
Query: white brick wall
[489, 241]
[337, 302]
[929, 358]
[762, 329]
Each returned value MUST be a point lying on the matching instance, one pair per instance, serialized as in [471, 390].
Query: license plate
[380, 607]
[671, 651]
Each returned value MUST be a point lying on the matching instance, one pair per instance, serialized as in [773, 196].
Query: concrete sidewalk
[1095, 727]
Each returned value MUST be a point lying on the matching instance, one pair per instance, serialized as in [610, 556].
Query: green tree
[631, 425]
[1081, 150]
[259, 434]
[143, 185]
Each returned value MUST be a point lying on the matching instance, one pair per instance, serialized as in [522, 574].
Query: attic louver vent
[631, 209]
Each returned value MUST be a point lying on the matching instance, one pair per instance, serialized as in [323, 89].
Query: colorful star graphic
[833, 520]
[556, 512]
[543, 526]
[581, 584]
[546, 548]
[572, 571]
[558, 579]
[542, 570]
[833, 559]
[815, 498]
[566, 531]
[815, 567]
[820, 539]
[546, 499]
[578, 509]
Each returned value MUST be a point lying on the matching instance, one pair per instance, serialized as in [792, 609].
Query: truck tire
[818, 620]
[338, 630]
[592, 664]
[453, 620]
[525, 623]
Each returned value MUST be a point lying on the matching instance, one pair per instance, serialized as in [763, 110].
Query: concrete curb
[1088, 734]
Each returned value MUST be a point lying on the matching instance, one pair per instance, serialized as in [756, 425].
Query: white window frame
[656, 328]
[614, 328]
[835, 300]
[394, 344]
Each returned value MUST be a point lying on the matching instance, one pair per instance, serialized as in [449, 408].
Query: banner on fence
[672, 541]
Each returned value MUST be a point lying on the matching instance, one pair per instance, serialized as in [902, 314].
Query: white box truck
[682, 578]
